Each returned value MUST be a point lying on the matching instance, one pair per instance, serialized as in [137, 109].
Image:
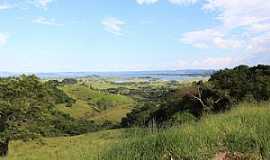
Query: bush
[62, 124]
[140, 115]
[68, 81]
[58, 95]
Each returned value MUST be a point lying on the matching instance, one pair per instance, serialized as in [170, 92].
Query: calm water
[162, 75]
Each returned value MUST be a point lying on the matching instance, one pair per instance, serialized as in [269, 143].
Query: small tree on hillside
[24, 103]
[206, 99]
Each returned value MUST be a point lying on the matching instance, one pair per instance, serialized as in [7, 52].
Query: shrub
[68, 81]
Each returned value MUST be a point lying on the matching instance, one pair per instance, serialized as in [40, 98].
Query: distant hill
[8, 74]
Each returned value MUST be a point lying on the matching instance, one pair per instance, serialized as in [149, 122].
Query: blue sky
[121, 35]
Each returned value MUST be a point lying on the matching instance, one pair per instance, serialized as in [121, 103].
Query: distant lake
[150, 75]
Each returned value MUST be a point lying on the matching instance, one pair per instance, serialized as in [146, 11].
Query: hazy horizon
[107, 71]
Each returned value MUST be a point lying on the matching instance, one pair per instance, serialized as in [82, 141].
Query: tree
[24, 103]
[69, 81]
[243, 81]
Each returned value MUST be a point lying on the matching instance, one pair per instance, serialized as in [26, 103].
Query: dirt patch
[234, 156]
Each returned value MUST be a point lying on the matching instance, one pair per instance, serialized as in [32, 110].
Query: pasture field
[95, 105]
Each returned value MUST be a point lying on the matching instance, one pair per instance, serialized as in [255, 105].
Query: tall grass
[83, 147]
[245, 129]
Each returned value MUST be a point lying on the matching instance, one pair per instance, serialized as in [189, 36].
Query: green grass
[133, 83]
[95, 105]
[103, 83]
[84, 147]
[245, 129]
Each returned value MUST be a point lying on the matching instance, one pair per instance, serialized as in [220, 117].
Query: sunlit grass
[245, 129]
[84, 147]
[86, 99]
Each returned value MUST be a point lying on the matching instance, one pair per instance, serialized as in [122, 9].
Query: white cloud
[46, 21]
[142, 2]
[182, 2]
[113, 25]
[5, 6]
[244, 28]
[252, 17]
[41, 3]
[210, 62]
[3, 39]
[259, 44]
[207, 63]
[238, 13]
[44, 3]
[260, 27]
[209, 38]
[176, 2]
[200, 39]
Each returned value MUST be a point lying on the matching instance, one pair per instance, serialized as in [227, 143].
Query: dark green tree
[24, 103]
[244, 82]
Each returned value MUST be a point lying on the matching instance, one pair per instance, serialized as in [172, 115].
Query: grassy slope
[245, 129]
[82, 109]
[64, 148]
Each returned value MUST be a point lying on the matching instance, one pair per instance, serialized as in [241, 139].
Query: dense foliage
[24, 102]
[148, 112]
[27, 111]
[59, 95]
[243, 82]
[225, 87]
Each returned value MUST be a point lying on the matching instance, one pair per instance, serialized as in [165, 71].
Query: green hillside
[64, 148]
[244, 131]
[95, 105]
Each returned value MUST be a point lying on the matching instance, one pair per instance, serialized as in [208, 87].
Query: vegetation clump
[27, 110]
[224, 89]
